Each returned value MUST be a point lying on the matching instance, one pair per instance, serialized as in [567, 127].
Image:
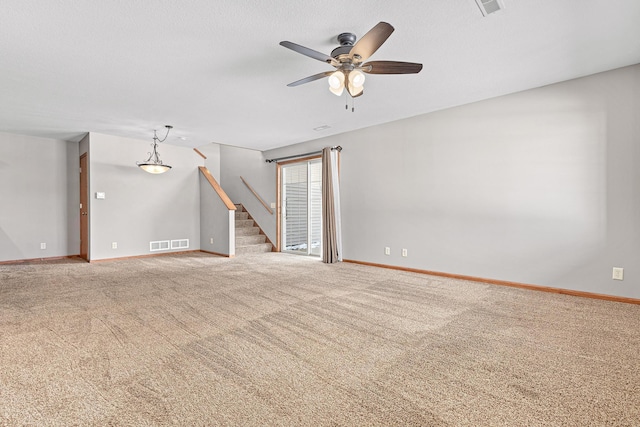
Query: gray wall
[212, 162]
[250, 164]
[215, 221]
[140, 207]
[538, 187]
[39, 197]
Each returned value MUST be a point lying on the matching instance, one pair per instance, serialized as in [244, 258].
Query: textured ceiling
[214, 69]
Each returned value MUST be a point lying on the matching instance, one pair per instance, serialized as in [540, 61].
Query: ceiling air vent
[489, 6]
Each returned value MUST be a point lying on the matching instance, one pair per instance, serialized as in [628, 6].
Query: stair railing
[221, 240]
[219, 191]
[257, 196]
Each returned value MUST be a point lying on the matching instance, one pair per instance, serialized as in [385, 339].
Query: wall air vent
[489, 6]
[161, 245]
[180, 244]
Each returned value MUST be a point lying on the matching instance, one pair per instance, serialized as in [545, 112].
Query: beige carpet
[276, 339]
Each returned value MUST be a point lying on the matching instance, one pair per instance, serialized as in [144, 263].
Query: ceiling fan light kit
[356, 83]
[348, 59]
[336, 83]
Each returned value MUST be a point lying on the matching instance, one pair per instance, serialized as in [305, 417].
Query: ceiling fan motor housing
[346, 40]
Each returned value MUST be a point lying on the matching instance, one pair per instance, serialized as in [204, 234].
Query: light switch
[100, 195]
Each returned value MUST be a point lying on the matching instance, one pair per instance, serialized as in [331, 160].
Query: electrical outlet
[114, 245]
[387, 250]
[618, 273]
[211, 240]
[43, 246]
[404, 252]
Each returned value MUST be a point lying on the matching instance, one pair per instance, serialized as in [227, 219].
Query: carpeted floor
[276, 339]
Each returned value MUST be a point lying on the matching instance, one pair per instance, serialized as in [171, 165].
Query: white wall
[539, 187]
[140, 207]
[39, 197]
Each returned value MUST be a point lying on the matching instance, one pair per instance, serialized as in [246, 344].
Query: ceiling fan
[348, 59]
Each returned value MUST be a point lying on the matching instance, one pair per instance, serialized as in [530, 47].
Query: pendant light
[153, 164]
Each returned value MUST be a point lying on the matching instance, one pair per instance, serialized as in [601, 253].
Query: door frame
[279, 195]
[84, 207]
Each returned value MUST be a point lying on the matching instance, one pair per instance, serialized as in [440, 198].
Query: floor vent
[489, 6]
[180, 244]
[160, 245]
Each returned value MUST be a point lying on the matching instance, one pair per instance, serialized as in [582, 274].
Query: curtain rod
[337, 147]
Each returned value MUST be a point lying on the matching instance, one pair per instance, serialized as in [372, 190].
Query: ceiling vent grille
[489, 6]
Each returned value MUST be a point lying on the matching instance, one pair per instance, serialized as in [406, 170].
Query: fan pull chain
[353, 102]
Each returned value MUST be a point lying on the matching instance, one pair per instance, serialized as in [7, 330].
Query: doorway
[84, 208]
[301, 207]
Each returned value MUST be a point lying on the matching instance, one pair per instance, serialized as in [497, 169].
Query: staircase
[249, 238]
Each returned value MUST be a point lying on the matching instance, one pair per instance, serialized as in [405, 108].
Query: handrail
[200, 153]
[257, 196]
[223, 196]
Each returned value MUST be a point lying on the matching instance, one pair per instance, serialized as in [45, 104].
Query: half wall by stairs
[250, 239]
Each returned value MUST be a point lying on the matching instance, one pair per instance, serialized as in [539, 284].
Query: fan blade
[310, 53]
[311, 78]
[370, 42]
[391, 67]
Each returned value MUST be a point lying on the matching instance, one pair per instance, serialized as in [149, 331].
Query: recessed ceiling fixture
[153, 164]
[489, 6]
[348, 59]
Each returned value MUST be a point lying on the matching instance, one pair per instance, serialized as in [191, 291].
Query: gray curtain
[331, 221]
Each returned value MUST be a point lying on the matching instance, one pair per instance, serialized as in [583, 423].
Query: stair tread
[257, 240]
[249, 238]
[260, 248]
[247, 231]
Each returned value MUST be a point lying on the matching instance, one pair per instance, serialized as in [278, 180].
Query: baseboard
[217, 254]
[58, 258]
[44, 260]
[93, 261]
[505, 283]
